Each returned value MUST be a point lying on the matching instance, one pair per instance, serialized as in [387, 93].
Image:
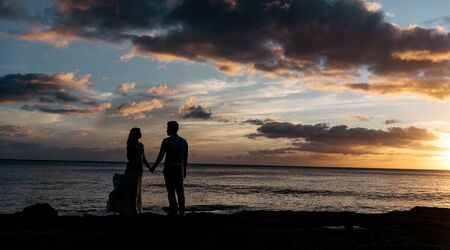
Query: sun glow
[444, 155]
[446, 158]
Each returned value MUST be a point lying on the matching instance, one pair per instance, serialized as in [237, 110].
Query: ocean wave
[246, 190]
[215, 207]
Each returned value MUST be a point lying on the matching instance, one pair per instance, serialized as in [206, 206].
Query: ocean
[82, 188]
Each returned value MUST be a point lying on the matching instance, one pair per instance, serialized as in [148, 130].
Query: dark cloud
[24, 131]
[254, 121]
[11, 149]
[445, 20]
[195, 112]
[391, 121]
[310, 148]
[274, 157]
[254, 136]
[321, 138]
[41, 87]
[57, 93]
[343, 134]
[304, 38]
[12, 10]
[189, 110]
[73, 110]
[290, 130]
[314, 30]
[269, 152]
[12, 131]
[257, 121]
[110, 18]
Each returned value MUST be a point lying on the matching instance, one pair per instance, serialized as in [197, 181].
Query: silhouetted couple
[175, 150]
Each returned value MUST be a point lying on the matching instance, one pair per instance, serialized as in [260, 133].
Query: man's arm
[185, 160]
[162, 151]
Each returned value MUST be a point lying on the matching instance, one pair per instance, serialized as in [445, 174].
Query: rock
[39, 210]
[431, 211]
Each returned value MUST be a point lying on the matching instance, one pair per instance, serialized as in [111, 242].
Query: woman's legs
[139, 195]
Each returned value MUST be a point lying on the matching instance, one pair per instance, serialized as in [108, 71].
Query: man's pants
[173, 176]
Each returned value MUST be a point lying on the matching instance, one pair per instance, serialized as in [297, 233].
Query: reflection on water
[80, 188]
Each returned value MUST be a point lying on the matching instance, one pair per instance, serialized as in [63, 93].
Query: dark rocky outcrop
[419, 228]
[39, 211]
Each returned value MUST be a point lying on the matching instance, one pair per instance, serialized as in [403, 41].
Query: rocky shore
[41, 228]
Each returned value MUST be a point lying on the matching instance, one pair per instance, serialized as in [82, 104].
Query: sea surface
[80, 188]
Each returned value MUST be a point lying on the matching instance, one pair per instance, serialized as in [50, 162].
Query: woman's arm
[144, 159]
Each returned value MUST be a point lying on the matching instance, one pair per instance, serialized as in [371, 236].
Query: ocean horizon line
[236, 165]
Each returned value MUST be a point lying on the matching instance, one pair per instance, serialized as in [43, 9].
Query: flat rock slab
[419, 228]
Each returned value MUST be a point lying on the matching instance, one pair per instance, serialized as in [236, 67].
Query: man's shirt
[176, 150]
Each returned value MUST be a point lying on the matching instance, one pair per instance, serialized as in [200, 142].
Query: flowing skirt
[126, 198]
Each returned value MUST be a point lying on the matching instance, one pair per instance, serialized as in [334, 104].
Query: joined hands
[150, 168]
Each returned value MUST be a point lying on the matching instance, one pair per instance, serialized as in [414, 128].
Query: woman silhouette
[136, 158]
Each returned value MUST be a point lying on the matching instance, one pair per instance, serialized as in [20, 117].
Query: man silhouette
[175, 148]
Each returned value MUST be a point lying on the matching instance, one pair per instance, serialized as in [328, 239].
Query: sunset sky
[348, 83]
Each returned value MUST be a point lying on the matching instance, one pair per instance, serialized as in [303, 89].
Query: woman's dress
[126, 198]
[135, 155]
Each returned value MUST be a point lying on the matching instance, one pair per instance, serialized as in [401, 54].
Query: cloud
[434, 88]
[59, 39]
[25, 118]
[161, 90]
[11, 149]
[69, 109]
[12, 10]
[254, 121]
[320, 138]
[373, 6]
[81, 133]
[49, 88]
[422, 55]
[292, 39]
[188, 110]
[392, 121]
[137, 110]
[257, 121]
[444, 20]
[208, 87]
[123, 88]
[60, 93]
[357, 117]
[24, 131]
[276, 5]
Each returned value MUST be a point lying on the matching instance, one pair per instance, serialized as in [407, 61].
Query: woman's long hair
[135, 134]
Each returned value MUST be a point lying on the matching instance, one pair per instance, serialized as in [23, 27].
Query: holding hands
[148, 166]
[152, 169]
